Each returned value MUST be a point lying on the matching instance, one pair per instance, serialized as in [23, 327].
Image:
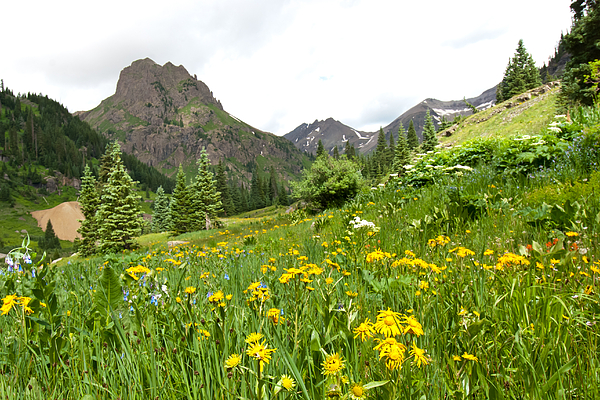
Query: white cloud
[276, 64]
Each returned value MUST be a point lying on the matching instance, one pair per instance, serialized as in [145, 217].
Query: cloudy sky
[278, 63]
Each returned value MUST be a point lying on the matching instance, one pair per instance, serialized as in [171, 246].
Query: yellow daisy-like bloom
[287, 382]
[216, 297]
[388, 323]
[329, 281]
[260, 352]
[377, 255]
[456, 358]
[138, 269]
[332, 364]
[469, 357]
[350, 293]
[412, 325]
[190, 290]
[254, 337]
[9, 302]
[357, 391]
[233, 361]
[364, 330]
[571, 234]
[394, 355]
[274, 315]
[419, 356]
[488, 252]
[385, 342]
[285, 278]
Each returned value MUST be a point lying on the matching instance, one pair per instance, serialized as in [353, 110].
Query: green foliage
[329, 183]
[430, 140]
[161, 216]
[181, 205]
[402, 152]
[89, 202]
[521, 75]
[582, 43]
[206, 200]
[50, 240]
[119, 210]
[411, 136]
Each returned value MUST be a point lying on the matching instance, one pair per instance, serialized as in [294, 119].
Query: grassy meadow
[469, 277]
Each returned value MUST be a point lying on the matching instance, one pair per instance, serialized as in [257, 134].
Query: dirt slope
[64, 219]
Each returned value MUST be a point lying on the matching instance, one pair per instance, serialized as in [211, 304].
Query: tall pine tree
[119, 211]
[429, 136]
[521, 75]
[411, 136]
[207, 200]
[89, 202]
[223, 188]
[161, 218]
[402, 152]
[181, 205]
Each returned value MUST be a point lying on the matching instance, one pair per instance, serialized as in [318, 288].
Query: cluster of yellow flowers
[12, 300]
[391, 324]
[441, 240]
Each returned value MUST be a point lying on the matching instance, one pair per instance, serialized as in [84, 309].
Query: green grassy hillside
[513, 117]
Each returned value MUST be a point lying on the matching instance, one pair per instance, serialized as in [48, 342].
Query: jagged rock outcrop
[164, 116]
[333, 133]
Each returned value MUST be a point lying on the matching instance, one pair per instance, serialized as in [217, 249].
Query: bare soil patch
[65, 219]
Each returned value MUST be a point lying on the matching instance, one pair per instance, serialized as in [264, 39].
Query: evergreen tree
[206, 199]
[411, 136]
[429, 136]
[256, 198]
[336, 152]
[107, 161]
[89, 202]
[161, 218]
[119, 211]
[273, 187]
[244, 198]
[50, 240]
[320, 149]
[181, 215]
[521, 75]
[236, 196]
[582, 43]
[402, 152]
[283, 197]
[223, 188]
[391, 150]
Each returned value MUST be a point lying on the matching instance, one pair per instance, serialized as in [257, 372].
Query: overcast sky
[278, 63]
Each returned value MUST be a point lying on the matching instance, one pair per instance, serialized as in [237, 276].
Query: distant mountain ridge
[164, 116]
[334, 133]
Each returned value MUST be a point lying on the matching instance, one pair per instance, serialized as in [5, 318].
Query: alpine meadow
[456, 259]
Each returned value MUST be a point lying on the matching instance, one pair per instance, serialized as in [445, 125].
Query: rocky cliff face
[333, 133]
[164, 116]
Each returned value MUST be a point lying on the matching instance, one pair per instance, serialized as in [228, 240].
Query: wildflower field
[472, 279]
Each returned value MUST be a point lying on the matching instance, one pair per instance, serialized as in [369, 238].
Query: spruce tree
[161, 217]
[283, 197]
[391, 151]
[206, 199]
[273, 187]
[50, 240]
[336, 152]
[402, 152]
[256, 198]
[411, 136]
[181, 215]
[320, 149]
[89, 202]
[520, 75]
[429, 136]
[223, 188]
[120, 212]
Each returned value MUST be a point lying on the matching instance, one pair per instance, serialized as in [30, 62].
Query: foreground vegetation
[474, 275]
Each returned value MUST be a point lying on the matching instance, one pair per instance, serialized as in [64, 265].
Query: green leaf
[374, 384]
[565, 368]
[108, 293]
